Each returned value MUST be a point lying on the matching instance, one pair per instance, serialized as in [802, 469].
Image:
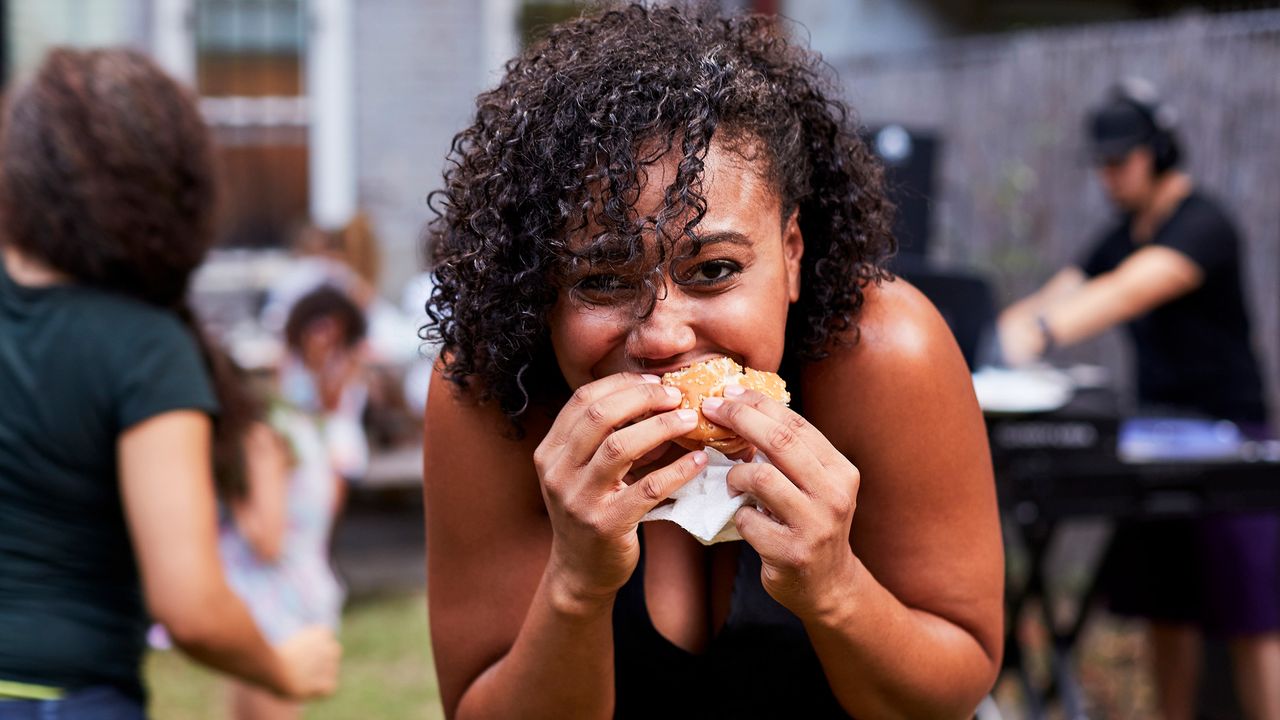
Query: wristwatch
[1046, 335]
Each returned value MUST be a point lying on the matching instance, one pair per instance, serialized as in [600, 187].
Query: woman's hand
[310, 660]
[809, 494]
[584, 464]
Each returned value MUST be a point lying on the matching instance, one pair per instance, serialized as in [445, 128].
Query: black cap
[1115, 128]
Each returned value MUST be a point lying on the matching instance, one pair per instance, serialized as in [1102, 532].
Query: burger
[708, 379]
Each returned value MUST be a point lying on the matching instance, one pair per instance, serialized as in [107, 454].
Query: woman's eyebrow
[729, 236]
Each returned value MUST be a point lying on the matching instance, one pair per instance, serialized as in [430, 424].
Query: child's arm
[261, 515]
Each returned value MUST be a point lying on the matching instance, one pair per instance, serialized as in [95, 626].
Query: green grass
[387, 671]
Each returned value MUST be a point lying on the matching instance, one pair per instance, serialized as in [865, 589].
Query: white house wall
[418, 67]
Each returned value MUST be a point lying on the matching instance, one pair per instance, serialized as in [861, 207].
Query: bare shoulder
[898, 322]
[452, 412]
[903, 352]
[451, 407]
[473, 462]
[900, 404]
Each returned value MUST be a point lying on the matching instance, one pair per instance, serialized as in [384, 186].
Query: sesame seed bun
[708, 379]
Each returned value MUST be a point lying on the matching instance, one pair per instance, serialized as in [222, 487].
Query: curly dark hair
[562, 145]
[106, 174]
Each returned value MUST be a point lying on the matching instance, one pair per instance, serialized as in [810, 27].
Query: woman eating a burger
[648, 190]
[108, 401]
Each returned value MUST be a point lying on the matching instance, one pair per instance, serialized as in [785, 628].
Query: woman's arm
[167, 488]
[526, 546]
[902, 598]
[928, 618]
[262, 514]
[488, 540]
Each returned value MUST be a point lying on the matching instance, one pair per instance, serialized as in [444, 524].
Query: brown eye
[601, 283]
[715, 271]
[604, 288]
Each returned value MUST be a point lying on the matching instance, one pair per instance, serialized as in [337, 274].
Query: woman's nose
[666, 332]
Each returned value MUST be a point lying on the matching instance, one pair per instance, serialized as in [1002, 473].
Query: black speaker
[909, 158]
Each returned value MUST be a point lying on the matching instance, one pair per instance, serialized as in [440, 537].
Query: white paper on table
[1022, 390]
[703, 506]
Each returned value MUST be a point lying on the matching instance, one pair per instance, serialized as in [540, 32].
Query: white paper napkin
[703, 506]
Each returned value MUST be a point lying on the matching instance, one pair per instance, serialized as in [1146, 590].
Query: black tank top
[760, 661]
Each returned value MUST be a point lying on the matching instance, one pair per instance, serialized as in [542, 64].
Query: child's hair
[565, 142]
[324, 302]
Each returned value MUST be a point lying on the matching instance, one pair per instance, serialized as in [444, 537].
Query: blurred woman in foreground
[106, 496]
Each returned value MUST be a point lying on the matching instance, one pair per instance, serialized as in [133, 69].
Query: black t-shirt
[77, 368]
[1193, 352]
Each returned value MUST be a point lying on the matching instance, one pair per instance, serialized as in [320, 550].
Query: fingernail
[699, 458]
[673, 393]
[712, 403]
[650, 378]
[733, 390]
[687, 417]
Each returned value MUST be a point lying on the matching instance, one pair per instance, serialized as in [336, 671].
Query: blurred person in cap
[109, 411]
[1169, 267]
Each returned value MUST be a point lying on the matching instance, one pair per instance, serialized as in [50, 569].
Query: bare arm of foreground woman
[901, 598]
[167, 487]
[528, 542]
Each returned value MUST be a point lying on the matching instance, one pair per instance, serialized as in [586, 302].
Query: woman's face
[733, 299]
